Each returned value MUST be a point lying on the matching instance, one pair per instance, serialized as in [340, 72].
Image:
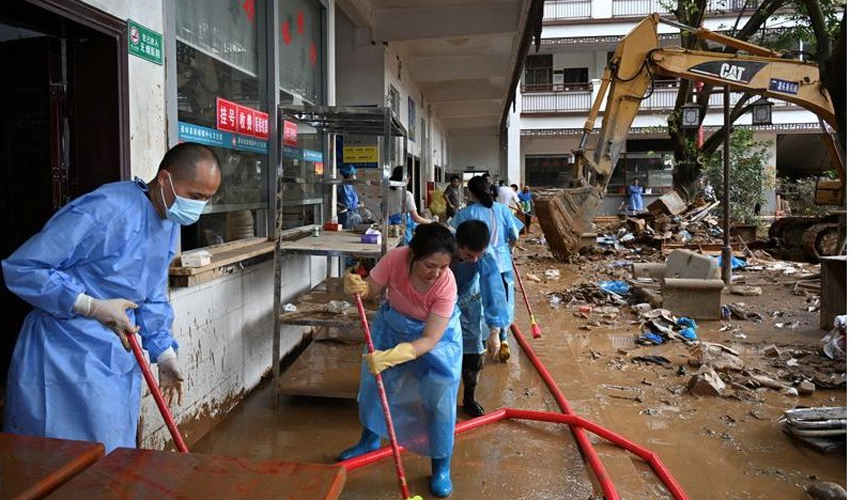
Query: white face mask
[183, 211]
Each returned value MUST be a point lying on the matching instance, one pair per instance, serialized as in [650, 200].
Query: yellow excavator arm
[627, 81]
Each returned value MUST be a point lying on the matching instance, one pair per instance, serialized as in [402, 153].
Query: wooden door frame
[115, 28]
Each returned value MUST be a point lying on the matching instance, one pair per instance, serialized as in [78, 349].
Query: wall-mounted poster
[411, 119]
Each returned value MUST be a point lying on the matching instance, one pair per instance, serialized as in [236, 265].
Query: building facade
[562, 79]
[118, 82]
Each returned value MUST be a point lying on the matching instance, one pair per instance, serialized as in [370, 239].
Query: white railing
[554, 10]
[638, 8]
[660, 99]
[556, 102]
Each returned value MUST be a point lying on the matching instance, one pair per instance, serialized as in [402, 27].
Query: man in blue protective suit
[482, 302]
[96, 273]
[347, 201]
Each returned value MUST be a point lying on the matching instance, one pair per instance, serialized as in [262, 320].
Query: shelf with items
[310, 155]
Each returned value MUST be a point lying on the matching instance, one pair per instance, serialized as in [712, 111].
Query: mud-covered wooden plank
[32, 467]
[312, 307]
[150, 474]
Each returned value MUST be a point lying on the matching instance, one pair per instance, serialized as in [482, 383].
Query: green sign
[143, 42]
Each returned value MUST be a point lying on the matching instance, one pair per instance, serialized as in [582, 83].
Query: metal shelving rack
[329, 122]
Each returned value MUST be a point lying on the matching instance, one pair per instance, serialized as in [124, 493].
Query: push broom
[399, 468]
[535, 328]
[157, 395]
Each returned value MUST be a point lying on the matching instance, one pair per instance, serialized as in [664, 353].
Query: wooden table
[336, 243]
[32, 467]
[149, 474]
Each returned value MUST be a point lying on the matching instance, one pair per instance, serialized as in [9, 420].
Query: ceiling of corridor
[462, 54]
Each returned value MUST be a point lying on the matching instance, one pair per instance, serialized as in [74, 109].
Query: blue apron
[481, 300]
[409, 225]
[422, 393]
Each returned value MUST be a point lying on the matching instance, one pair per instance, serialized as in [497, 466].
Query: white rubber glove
[170, 377]
[111, 313]
[493, 343]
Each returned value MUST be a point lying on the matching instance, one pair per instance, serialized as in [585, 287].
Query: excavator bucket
[564, 215]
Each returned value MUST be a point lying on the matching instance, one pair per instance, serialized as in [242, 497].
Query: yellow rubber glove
[379, 361]
[353, 284]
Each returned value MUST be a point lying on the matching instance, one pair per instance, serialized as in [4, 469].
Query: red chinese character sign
[240, 119]
[226, 112]
[290, 134]
[261, 124]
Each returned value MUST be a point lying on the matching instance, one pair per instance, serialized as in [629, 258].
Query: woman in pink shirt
[417, 338]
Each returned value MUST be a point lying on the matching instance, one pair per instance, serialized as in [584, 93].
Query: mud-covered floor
[729, 447]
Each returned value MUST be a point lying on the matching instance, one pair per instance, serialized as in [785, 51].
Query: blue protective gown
[504, 227]
[481, 299]
[635, 198]
[422, 393]
[347, 197]
[69, 376]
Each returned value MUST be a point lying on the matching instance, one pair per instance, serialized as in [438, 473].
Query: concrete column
[601, 9]
[769, 207]
[516, 172]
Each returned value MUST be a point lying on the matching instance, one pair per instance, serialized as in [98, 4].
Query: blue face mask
[183, 211]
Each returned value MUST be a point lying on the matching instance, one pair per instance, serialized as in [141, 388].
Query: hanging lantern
[690, 115]
[762, 112]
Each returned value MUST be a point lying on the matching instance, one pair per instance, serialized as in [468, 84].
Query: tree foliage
[819, 23]
[748, 175]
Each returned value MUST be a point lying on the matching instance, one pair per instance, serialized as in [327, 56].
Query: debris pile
[824, 429]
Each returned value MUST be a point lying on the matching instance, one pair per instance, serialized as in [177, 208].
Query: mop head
[535, 331]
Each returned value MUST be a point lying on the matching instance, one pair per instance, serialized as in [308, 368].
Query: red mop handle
[399, 468]
[157, 396]
[535, 330]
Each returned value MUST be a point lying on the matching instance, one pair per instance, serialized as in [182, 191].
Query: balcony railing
[554, 10]
[556, 87]
[637, 8]
[559, 99]
[640, 8]
[555, 102]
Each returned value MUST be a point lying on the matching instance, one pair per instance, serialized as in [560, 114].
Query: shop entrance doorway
[63, 129]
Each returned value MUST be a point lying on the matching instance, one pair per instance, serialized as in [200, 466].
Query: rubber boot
[471, 368]
[441, 477]
[369, 441]
[504, 352]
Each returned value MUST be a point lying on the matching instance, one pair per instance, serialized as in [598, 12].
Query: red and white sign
[247, 121]
[261, 124]
[290, 134]
[226, 114]
[244, 120]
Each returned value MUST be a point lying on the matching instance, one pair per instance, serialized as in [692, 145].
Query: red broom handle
[385, 404]
[157, 395]
[535, 330]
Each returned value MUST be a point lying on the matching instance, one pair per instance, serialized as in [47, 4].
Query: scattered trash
[616, 287]
[706, 383]
[289, 308]
[745, 290]
[739, 311]
[736, 263]
[718, 356]
[337, 307]
[649, 338]
[533, 277]
[658, 360]
[552, 274]
[834, 344]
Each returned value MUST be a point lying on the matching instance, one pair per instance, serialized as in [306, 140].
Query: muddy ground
[728, 447]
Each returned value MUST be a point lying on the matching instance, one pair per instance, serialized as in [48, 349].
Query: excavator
[639, 59]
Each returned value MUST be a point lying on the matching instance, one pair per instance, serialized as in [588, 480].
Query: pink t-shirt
[393, 271]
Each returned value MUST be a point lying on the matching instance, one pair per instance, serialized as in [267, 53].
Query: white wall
[481, 152]
[359, 66]
[148, 141]
[224, 327]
